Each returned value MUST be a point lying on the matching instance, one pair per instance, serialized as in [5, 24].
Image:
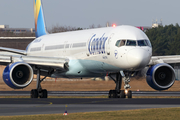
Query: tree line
[165, 40]
[12, 34]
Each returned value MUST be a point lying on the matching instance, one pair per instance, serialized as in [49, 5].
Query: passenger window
[131, 43]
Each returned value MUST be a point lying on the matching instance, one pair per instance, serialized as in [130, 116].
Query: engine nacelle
[160, 76]
[18, 75]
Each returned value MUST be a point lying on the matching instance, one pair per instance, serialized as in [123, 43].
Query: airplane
[119, 52]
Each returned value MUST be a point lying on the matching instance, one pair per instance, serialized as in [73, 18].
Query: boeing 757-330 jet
[118, 52]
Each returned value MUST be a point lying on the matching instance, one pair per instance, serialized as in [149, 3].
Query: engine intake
[18, 75]
[160, 76]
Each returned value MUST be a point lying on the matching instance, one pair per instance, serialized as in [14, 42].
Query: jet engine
[18, 75]
[160, 76]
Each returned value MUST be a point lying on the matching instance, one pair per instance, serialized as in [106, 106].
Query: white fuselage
[96, 51]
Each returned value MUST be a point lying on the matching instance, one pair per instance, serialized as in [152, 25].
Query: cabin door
[108, 44]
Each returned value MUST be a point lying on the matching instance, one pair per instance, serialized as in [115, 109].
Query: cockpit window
[142, 43]
[149, 43]
[123, 42]
[131, 43]
[120, 43]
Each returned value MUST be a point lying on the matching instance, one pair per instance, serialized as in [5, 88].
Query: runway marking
[50, 103]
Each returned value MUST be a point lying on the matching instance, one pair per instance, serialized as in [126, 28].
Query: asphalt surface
[10, 107]
[28, 106]
[90, 93]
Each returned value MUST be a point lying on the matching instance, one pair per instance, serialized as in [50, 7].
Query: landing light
[126, 92]
[114, 25]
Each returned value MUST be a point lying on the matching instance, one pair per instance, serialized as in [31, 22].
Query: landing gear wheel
[114, 94]
[110, 94]
[129, 94]
[43, 93]
[34, 93]
[122, 94]
[118, 94]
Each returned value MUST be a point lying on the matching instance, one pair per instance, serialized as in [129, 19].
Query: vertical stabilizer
[40, 28]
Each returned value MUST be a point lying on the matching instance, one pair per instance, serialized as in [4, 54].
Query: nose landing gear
[128, 93]
[126, 80]
[118, 93]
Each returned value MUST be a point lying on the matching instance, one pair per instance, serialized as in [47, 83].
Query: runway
[10, 107]
[27, 106]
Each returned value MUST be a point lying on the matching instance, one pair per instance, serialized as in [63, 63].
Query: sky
[84, 13]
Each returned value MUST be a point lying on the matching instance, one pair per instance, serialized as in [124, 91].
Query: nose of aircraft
[138, 58]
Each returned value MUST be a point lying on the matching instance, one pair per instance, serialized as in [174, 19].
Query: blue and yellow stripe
[40, 28]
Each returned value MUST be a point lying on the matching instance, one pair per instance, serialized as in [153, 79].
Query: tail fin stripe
[39, 19]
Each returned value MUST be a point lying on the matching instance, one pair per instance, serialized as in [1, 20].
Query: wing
[17, 51]
[44, 63]
[172, 59]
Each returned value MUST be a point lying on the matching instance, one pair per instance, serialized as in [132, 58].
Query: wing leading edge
[171, 59]
[17, 51]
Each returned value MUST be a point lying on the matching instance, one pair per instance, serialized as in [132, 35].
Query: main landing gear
[118, 93]
[39, 92]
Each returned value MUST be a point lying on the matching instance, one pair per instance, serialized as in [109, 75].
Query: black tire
[114, 94]
[34, 93]
[118, 94]
[129, 95]
[110, 94]
[122, 94]
[44, 93]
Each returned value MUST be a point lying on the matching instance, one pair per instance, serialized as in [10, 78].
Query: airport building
[5, 28]
[155, 24]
